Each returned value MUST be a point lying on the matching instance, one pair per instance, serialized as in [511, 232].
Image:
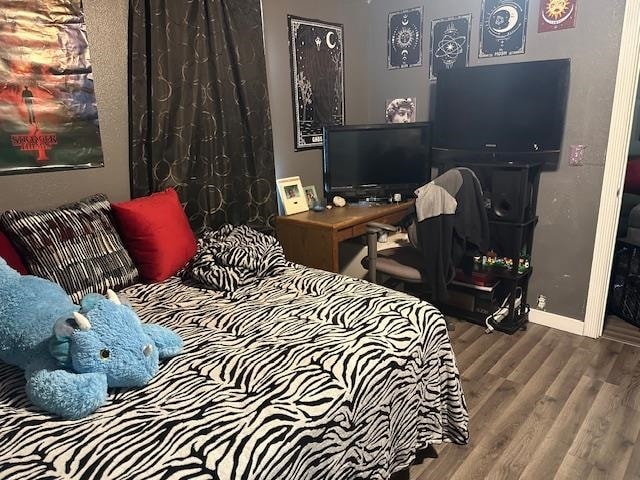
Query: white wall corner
[559, 322]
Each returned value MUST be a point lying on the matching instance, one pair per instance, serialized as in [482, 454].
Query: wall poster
[400, 110]
[503, 27]
[48, 113]
[317, 71]
[405, 38]
[449, 44]
[556, 15]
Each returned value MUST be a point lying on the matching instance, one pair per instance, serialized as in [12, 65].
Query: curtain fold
[199, 117]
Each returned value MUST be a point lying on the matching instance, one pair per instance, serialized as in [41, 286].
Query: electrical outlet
[576, 155]
[542, 302]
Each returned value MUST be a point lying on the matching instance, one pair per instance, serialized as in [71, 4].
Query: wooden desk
[312, 238]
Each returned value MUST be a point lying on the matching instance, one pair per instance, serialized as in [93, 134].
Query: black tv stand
[509, 238]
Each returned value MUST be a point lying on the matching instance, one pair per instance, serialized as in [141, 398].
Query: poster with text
[503, 27]
[449, 44]
[400, 110]
[317, 72]
[48, 113]
[556, 15]
[405, 38]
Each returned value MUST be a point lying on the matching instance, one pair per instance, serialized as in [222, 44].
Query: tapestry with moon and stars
[317, 73]
[405, 38]
[503, 27]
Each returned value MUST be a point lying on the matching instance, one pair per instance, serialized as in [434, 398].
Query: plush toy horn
[82, 321]
[111, 295]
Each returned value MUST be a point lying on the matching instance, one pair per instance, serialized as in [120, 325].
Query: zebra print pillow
[75, 245]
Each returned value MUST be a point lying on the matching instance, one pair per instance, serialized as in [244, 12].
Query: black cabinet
[510, 193]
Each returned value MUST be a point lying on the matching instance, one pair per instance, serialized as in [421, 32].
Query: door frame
[626, 88]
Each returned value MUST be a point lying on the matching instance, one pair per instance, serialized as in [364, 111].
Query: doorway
[614, 172]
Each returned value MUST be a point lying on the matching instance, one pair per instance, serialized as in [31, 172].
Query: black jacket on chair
[445, 240]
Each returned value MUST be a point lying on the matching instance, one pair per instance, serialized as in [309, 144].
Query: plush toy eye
[104, 354]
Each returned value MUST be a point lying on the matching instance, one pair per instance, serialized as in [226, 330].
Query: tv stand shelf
[510, 237]
[313, 238]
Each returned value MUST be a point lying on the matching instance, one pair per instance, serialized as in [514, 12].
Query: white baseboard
[558, 322]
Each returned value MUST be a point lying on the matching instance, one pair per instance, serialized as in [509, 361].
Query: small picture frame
[311, 196]
[292, 195]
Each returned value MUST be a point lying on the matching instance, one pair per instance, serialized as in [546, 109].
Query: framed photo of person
[292, 195]
[311, 195]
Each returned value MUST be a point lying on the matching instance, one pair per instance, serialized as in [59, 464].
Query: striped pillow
[75, 245]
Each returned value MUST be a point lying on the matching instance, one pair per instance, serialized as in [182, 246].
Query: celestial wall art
[449, 44]
[405, 38]
[503, 27]
[556, 15]
[317, 73]
[48, 113]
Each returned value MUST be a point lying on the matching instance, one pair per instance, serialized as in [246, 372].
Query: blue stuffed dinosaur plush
[72, 354]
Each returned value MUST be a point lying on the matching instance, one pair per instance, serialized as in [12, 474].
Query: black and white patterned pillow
[75, 245]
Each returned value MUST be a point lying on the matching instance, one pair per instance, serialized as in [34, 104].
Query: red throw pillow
[10, 254]
[157, 234]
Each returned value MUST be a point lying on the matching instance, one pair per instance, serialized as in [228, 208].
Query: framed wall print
[449, 44]
[405, 38]
[317, 79]
[503, 27]
[557, 15]
[292, 195]
[48, 112]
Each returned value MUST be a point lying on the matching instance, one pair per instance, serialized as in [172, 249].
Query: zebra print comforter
[304, 375]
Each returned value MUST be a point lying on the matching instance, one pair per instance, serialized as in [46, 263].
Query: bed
[303, 375]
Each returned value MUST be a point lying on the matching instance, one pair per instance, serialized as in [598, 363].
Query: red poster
[48, 113]
[556, 15]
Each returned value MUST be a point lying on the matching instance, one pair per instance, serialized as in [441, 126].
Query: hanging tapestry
[405, 38]
[556, 15]
[48, 114]
[449, 44]
[317, 72]
[503, 27]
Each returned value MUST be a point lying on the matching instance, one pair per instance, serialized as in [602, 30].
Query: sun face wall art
[405, 38]
[557, 15]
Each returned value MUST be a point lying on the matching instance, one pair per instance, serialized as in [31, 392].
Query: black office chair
[437, 244]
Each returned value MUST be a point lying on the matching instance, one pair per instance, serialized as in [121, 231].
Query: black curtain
[199, 116]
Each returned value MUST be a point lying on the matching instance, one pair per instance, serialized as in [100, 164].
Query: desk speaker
[510, 191]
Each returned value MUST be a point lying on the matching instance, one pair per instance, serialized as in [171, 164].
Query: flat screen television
[376, 161]
[506, 108]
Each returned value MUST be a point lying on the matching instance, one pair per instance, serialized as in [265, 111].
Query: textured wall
[569, 197]
[107, 30]
[353, 14]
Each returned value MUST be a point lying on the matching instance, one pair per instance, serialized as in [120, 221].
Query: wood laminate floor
[617, 329]
[544, 404]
